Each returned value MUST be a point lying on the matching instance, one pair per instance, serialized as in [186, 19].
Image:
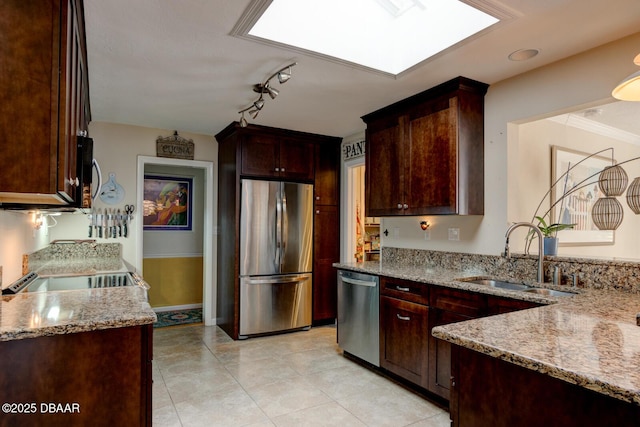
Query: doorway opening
[173, 258]
[362, 242]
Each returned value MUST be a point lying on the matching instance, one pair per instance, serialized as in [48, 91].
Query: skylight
[386, 35]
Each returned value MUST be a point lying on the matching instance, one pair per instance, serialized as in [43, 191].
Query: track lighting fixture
[283, 75]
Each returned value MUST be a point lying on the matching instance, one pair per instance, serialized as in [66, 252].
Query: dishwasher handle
[357, 282]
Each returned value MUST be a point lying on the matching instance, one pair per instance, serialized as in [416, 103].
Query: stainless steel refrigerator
[276, 242]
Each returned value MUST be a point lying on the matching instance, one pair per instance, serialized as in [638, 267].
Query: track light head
[243, 121]
[254, 113]
[284, 76]
[271, 91]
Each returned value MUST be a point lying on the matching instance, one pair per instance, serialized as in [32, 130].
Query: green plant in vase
[550, 233]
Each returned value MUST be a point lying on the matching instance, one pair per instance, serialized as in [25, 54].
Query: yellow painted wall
[173, 281]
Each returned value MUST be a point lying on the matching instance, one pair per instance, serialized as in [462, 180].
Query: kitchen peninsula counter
[590, 339]
[90, 349]
[32, 315]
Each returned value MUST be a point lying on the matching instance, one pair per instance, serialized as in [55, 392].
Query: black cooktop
[33, 283]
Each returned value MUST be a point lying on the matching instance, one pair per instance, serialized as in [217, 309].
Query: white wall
[534, 177]
[581, 80]
[18, 237]
[117, 147]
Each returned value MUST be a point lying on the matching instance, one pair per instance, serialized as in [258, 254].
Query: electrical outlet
[454, 234]
[396, 232]
[427, 235]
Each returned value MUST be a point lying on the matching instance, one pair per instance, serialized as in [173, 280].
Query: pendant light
[607, 213]
[633, 196]
[613, 181]
[629, 88]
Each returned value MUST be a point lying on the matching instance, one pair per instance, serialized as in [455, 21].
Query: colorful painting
[167, 203]
[574, 195]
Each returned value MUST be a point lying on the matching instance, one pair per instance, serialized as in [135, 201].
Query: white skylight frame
[343, 22]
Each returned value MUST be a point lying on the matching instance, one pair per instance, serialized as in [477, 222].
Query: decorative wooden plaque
[175, 147]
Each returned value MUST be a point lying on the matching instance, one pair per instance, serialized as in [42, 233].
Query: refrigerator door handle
[285, 224]
[278, 251]
[276, 280]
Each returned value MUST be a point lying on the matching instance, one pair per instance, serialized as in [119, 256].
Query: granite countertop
[590, 339]
[31, 315]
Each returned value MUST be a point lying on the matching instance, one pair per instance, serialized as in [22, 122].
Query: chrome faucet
[507, 253]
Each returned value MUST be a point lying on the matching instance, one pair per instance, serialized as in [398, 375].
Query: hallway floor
[204, 378]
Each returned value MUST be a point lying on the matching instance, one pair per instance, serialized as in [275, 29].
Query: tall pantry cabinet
[277, 154]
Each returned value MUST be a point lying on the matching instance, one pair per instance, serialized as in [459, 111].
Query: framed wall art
[167, 203]
[574, 195]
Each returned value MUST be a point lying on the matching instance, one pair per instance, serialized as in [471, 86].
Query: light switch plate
[454, 234]
[427, 234]
[396, 232]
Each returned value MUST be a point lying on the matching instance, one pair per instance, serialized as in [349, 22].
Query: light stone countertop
[31, 315]
[590, 339]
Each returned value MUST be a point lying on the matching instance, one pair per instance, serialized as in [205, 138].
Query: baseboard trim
[176, 307]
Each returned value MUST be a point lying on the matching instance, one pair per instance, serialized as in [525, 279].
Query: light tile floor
[204, 378]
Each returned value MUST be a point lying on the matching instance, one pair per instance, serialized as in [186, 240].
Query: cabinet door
[432, 159]
[30, 90]
[384, 174]
[326, 251]
[260, 156]
[440, 352]
[404, 329]
[296, 159]
[327, 176]
[499, 305]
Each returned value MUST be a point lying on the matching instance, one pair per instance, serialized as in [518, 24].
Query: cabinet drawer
[405, 289]
[457, 301]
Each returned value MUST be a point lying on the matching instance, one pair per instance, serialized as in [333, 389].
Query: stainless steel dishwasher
[359, 315]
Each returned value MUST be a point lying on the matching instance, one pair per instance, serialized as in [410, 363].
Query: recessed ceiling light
[390, 36]
[523, 54]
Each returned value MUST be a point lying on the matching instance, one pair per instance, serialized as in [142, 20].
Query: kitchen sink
[499, 284]
[512, 286]
[549, 292]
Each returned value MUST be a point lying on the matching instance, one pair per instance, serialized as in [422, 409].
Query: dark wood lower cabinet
[326, 249]
[97, 378]
[403, 342]
[440, 352]
[408, 312]
[491, 392]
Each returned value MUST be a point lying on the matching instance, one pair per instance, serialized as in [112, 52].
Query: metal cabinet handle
[400, 288]
[405, 206]
[399, 205]
[281, 169]
[405, 318]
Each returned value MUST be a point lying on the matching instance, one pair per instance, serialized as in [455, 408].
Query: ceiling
[171, 64]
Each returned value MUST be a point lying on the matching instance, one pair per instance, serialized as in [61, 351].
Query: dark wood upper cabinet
[277, 156]
[425, 154]
[44, 94]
